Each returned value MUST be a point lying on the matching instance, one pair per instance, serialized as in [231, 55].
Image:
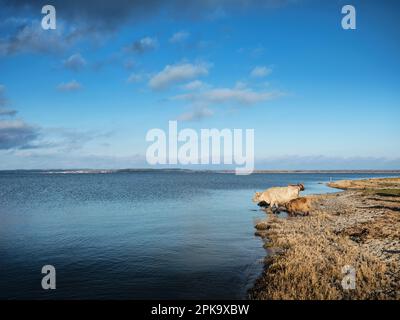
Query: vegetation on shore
[359, 228]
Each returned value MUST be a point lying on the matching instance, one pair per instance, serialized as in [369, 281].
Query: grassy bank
[359, 227]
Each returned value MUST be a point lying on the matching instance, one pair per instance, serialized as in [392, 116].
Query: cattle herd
[284, 198]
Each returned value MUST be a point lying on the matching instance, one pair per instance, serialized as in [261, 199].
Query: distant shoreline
[104, 171]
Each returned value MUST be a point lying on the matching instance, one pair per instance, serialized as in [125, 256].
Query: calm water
[135, 235]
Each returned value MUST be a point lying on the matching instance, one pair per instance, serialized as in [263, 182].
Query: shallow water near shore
[138, 235]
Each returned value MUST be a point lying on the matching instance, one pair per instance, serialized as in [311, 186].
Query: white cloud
[193, 85]
[69, 86]
[196, 114]
[244, 96]
[177, 73]
[260, 72]
[179, 37]
[75, 62]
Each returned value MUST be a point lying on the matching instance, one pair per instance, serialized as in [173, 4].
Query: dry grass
[378, 183]
[307, 253]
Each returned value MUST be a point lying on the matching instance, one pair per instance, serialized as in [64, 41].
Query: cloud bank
[16, 134]
[109, 15]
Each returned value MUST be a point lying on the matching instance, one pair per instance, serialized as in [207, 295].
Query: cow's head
[256, 197]
[299, 185]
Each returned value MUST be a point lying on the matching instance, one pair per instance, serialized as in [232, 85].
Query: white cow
[278, 196]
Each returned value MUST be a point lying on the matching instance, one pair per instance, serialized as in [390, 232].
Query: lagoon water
[135, 235]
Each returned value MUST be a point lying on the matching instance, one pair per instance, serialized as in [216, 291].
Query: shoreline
[256, 171]
[358, 226]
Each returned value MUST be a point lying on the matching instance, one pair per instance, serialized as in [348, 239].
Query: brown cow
[302, 205]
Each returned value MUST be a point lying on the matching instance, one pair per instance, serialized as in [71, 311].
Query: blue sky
[84, 95]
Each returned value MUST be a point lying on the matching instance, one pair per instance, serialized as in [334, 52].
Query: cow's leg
[274, 207]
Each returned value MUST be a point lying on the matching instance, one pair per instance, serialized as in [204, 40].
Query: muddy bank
[359, 227]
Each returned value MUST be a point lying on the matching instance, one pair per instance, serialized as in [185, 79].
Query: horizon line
[91, 170]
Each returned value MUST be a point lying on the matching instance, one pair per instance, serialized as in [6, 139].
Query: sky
[85, 95]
